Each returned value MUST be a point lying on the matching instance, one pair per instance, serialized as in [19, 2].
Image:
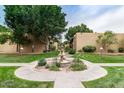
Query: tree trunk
[19, 48]
[105, 48]
[33, 40]
[33, 47]
[47, 44]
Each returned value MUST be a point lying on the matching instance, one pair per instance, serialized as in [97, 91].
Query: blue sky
[2, 15]
[86, 12]
[99, 18]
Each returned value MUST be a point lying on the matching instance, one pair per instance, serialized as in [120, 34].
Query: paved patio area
[62, 79]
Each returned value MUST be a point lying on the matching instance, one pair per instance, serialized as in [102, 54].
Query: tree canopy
[31, 23]
[106, 39]
[4, 29]
[5, 34]
[79, 28]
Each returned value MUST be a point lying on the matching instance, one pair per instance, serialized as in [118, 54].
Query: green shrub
[78, 66]
[89, 48]
[80, 50]
[58, 64]
[47, 66]
[72, 51]
[67, 48]
[53, 67]
[77, 58]
[111, 51]
[121, 50]
[42, 62]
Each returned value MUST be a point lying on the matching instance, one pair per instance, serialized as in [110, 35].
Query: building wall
[38, 48]
[82, 39]
[120, 43]
[11, 48]
[7, 48]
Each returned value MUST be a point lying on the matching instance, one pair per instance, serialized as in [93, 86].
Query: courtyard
[46, 47]
[98, 75]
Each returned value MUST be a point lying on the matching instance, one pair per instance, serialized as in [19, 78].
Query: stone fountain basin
[51, 60]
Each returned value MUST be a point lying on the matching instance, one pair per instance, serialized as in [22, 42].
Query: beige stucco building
[12, 48]
[82, 39]
[7, 48]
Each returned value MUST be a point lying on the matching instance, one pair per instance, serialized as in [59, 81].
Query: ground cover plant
[71, 51]
[77, 64]
[54, 67]
[9, 80]
[114, 79]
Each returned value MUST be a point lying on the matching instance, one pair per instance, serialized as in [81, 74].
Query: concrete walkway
[62, 79]
[67, 81]
[110, 64]
[14, 64]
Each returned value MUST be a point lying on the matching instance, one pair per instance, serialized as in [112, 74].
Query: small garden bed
[69, 64]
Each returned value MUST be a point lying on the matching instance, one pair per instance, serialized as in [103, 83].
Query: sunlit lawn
[17, 58]
[114, 79]
[9, 80]
[96, 58]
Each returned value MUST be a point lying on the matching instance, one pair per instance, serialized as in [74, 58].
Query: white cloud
[111, 20]
[83, 14]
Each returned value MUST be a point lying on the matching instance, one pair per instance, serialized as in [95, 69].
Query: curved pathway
[62, 79]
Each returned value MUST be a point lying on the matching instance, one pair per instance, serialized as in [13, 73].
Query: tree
[50, 23]
[4, 29]
[73, 30]
[106, 39]
[3, 38]
[121, 42]
[16, 19]
[5, 34]
[35, 23]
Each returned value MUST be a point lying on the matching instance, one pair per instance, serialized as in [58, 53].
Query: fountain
[63, 59]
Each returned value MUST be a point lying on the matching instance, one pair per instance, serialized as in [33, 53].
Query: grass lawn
[9, 80]
[105, 58]
[114, 79]
[17, 58]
